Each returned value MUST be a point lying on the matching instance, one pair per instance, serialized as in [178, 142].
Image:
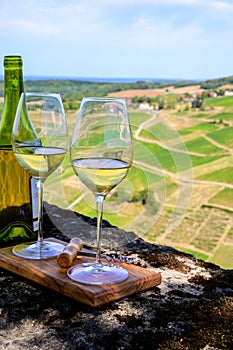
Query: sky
[180, 39]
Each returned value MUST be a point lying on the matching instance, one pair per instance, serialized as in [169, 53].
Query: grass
[223, 136]
[223, 116]
[162, 130]
[224, 197]
[192, 113]
[148, 135]
[201, 145]
[136, 118]
[230, 233]
[176, 141]
[196, 160]
[184, 132]
[201, 127]
[224, 101]
[195, 253]
[84, 208]
[223, 175]
[205, 243]
[162, 158]
[200, 115]
[118, 220]
[223, 256]
[137, 176]
[141, 178]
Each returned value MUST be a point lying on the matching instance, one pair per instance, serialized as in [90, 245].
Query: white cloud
[132, 35]
[92, 16]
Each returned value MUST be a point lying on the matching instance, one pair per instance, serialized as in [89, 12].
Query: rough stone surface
[191, 309]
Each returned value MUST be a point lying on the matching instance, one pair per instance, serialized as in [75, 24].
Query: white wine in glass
[101, 155]
[39, 146]
[40, 162]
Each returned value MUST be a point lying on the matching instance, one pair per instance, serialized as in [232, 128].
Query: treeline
[76, 89]
[216, 83]
[72, 90]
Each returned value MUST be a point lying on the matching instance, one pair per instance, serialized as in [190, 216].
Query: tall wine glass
[39, 140]
[101, 154]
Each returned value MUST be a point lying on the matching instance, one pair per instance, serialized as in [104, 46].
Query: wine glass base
[97, 274]
[38, 251]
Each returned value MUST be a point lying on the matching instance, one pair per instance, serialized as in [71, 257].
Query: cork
[66, 258]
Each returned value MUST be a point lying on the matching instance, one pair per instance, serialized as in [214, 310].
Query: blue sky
[182, 39]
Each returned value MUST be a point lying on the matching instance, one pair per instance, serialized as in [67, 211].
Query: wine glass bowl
[39, 140]
[101, 154]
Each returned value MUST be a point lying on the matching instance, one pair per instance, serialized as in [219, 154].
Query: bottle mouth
[10, 61]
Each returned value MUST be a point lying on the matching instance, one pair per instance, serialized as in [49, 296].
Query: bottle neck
[13, 87]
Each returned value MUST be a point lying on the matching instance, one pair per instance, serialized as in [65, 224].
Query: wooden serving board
[48, 273]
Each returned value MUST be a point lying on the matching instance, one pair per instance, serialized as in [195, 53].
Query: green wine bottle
[16, 187]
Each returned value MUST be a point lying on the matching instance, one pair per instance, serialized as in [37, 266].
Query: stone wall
[191, 309]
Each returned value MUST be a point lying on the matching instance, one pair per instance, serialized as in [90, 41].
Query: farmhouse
[145, 106]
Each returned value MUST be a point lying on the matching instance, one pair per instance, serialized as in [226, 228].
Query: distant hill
[216, 83]
[107, 79]
[75, 89]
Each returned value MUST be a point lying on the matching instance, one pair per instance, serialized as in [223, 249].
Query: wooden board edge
[74, 290]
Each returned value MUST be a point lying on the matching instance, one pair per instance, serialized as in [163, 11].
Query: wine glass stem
[99, 211]
[40, 188]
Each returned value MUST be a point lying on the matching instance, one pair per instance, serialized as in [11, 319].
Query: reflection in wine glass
[39, 139]
[101, 155]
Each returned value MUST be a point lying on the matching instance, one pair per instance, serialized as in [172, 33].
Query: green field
[201, 115]
[224, 175]
[196, 161]
[224, 101]
[201, 127]
[230, 233]
[137, 118]
[200, 145]
[223, 197]
[223, 256]
[224, 116]
[152, 196]
[223, 136]
[197, 254]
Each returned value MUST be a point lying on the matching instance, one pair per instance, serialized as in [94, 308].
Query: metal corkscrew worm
[112, 258]
[75, 249]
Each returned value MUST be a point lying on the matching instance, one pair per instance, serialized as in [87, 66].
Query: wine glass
[39, 140]
[101, 154]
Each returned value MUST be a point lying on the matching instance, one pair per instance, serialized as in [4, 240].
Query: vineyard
[179, 190]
